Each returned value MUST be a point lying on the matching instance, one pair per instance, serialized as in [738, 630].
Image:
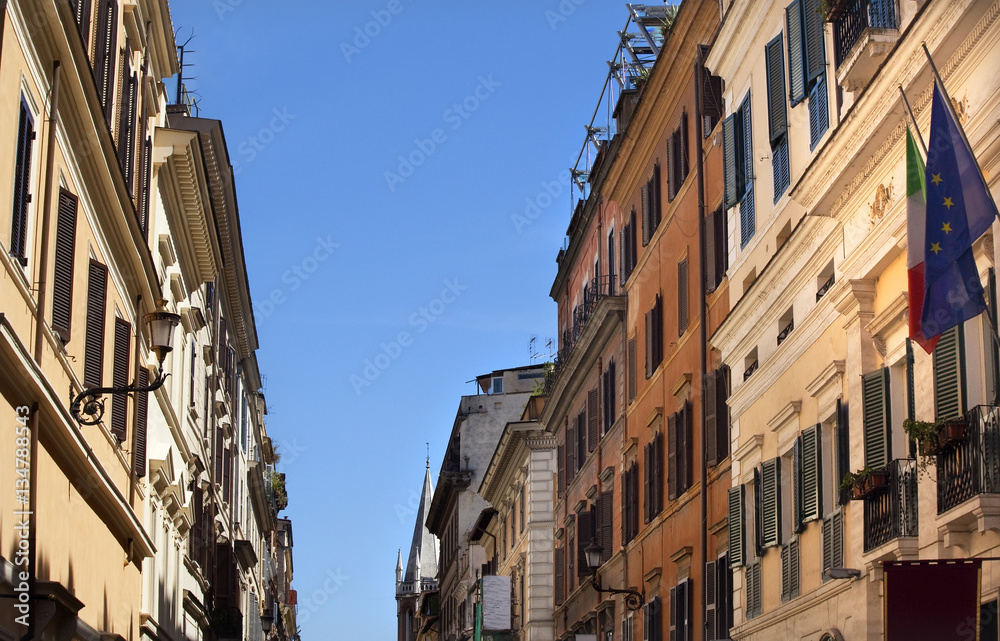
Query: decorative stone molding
[827, 387]
[881, 204]
[786, 425]
[886, 328]
[655, 417]
[855, 299]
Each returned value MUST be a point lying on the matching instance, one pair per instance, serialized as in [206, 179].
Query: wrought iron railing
[892, 511]
[855, 18]
[971, 466]
[227, 622]
[597, 289]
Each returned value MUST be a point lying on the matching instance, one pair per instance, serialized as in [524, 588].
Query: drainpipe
[702, 329]
[43, 261]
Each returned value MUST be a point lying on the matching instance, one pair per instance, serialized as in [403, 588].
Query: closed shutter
[581, 438]
[754, 589]
[729, 161]
[674, 614]
[648, 482]
[686, 447]
[623, 256]
[711, 429]
[22, 186]
[797, 484]
[682, 297]
[660, 463]
[593, 420]
[145, 187]
[570, 455]
[777, 111]
[81, 12]
[721, 246]
[612, 394]
[219, 455]
[838, 539]
[656, 193]
[227, 476]
[631, 370]
[635, 500]
[875, 394]
[812, 19]
[827, 531]
[606, 535]
[104, 53]
[819, 112]
[93, 360]
[119, 402]
[843, 447]
[796, 53]
[647, 230]
[722, 413]
[747, 215]
[584, 533]
[949, 376]
[711, 621]
[141, 421]
[685, 163]
[649, 343]
[673, 162]
[779, 168]
[812, 480]
[62, 281]
[126, 120]
[770, 502]
[561, 470]
[560, 561]
[709, 248]
[736, 523]
[672, 488]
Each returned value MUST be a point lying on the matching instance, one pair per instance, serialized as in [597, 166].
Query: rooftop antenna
[548, 344]
[181, 50]
[532, 355]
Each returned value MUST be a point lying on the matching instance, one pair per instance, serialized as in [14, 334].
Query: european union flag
[959, 210]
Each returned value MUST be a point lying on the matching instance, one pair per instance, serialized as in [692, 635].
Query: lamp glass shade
[161, 325]
[266, 620]
[593, 554]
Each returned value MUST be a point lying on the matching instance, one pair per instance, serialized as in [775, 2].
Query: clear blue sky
[314, 135]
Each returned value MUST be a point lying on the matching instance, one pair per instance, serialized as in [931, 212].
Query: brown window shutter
[688, 452]
[62, 282]
[22, 184]
[649, 344]
[584, 533]
[722, 412]
[682, 297]
[145, 186]
[685, 163]
[219, 455]
[631, 370]
[606, 535]
[141, 420]
[593, 421]
[581, 438]
[104, 54]
[647, 231]
[672, 457]
[661, 478]
[647, 484]
[657, 195]
[709, 249]
[560, 572]
[93, 360]
[710, 600]
[120, 374]
[711, 431]
[570, 455]
[561, 470]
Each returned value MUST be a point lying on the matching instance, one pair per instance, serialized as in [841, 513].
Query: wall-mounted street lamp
[266, 620]
[633, 599]
[88, 407]
[843, 573]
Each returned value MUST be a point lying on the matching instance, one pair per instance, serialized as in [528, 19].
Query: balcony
[227, 623]
[864, 31]
[971, 467]
[597, 290]
[891, 512]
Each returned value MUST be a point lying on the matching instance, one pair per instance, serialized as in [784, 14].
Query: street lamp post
[633, 599]
[88, 406]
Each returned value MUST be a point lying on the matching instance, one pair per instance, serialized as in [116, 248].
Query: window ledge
[978, 514]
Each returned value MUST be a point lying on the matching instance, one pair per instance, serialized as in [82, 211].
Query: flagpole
[906, 103]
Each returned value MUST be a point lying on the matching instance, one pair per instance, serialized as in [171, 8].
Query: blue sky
[357, 257]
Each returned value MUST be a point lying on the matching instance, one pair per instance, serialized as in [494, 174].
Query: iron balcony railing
[857, 16]
[971, 466]
[597, 289]
[892, 511]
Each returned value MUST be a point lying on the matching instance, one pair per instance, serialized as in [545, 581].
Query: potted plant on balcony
[864, 482]
[934, 438]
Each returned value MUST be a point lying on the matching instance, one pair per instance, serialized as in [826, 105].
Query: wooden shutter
[119, 402]
[660, 463]
[736, 526]
[721, 247]
[770, 502]
[812, 480]
[647, 223]
[146, 186]
[747, 216]
[606, 534]
[819, 112]
[673, 162]
[722, 412]
[843, 447]
[685, 448]
[560, 561]
[584, 533]
[777, 111]
[649, 343]
[711, 429]
[612, 393]
[93, 361]
[730, 152]
[674, 614]
[797, 483]
[875, 394]
[141, 421]
[648, 474]
[62, 281]
[581, 438]
[682, 297]
[561, 470]
[219, 455]
[631, 370]
[570, 455]
[104, 53]
[227, 475]
[684, 152]
[633, 248]
[949, 376]
[785, 573]
[81, 12]
[657, 196]
[672, 477]
[711, 587]
[838, 538]
[815, 49]
[593, 420]
[126, 119]
[796, 53]
[827, 531]
[709, 249]
[635, 500]
[22, 185]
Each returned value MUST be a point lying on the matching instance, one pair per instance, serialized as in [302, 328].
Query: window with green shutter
[770, 503]
[737, 518]
[737, 154]
[877, 417]
[806, 48]
[777, 112]
[949, 375]
[790, 570]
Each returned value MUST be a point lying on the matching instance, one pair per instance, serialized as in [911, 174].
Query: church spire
[422, 562]
[399, 567]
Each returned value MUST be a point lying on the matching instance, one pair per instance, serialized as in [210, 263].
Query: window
[654, 336]
[949, 375]
[93, 359]
[652, 620]
[824, 281]
[737, 526]
[497, 385]
[750, 364]
[145, 186]
[768, 503]
[785, 325]
[737, 152]
[807, 63]
[631, 370]
[129, 100]
[718, 599]
[584, 534]
[120, 378]
[560, 572]
[141, 421]
[194, 363]
[105, 49]
[777, 113]
[651, 206]
[876, 412]
[608, 389]
[717, 415]
[630, 503]
[581, 439]
[753, 591]
[561, 469]
[628, 248]
[593, 419]
[604, 524]
[677, 158]
[524, 491]
[712, 107]
[244, 432]
[680, 459]
[628, 628]
[65, 256]
[22, 185]
[571, 449]
[716, 249]
[653, 452]
[807, 458]
[611, 263]
[682, 297]
[833, 542]
[790, 570]
[681, 612]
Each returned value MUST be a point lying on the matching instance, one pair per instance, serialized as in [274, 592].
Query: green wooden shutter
[796, 53]
[771, 502]
[797, 483]
[949, 375]
[812, 19]
[777, 110]
[747, 216]
[819, 112]
[843, 446]
[730, 152]
[877, 417]
[62, 281]
[711, 429]
[827, 531]
[736, 521]
[812, 480]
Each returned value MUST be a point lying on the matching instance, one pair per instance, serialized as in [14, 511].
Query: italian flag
[916, 227]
